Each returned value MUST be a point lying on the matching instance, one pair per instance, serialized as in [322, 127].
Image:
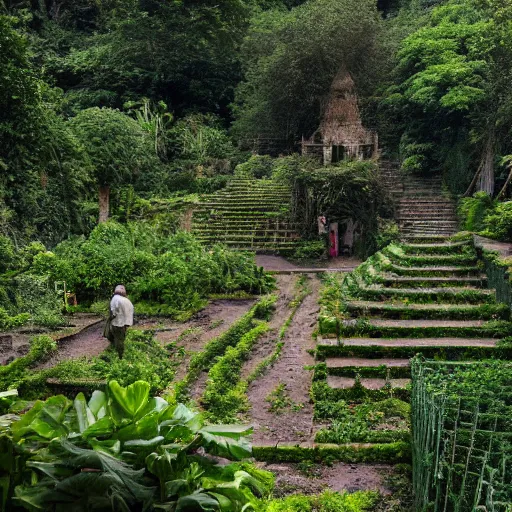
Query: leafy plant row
[123, 450]
[205, 359]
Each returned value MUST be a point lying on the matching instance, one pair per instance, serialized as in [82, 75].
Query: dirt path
[278, 263]
[192, 335]
[287, 289]
[88, 342]
[294, 422]
[315, 478]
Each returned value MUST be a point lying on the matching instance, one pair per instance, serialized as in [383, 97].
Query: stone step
[428, 223]
[428, 311]
[436, 247]
[409, 342]
[247, 238]
[426, 200]
[426, 216]
[241, 207]
[438, 271]
[468, 295]
[386, 328]
[429, 232]
[352, 362]
[430, 260]
[426, 324]
[404, 347]
[254, 230]
[336, 382]
[415, 239]
[429, 282]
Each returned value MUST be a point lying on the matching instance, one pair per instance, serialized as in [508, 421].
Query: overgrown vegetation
[144, 359]
[171, 275]
[468, 406]
[123, 448]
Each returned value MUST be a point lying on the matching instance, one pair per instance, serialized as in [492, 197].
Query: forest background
[126, 109]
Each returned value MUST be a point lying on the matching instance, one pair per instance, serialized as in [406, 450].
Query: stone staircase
[407, 300]
[424, 208]
[428, 297]
[248, 214]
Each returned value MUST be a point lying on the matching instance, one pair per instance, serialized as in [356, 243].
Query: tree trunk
[104, 203]
[486, 181]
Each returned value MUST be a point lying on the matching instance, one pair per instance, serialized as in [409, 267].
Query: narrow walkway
[293, 421]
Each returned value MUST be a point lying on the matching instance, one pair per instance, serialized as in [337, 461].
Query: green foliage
[14, 373]
[123, 448]
[394, 452]
[217, 347]
[202, 147]
[224, 396]
[11, 322]
[499, 222]
[387, 233]
[478, 392]
[280, 401]
[473, 210]
[363, 422]
[310, 250]
[451, 78]
[290, 59]
[328, 501]
[166, 275]
[347, 191]
[257, 167]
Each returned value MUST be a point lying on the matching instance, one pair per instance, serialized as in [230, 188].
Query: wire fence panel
[462, 436]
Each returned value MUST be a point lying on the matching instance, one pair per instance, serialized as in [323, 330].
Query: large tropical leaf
[233, 431]
[84, 414]
[126, 403]
[46, 419]
[226, 447]
[197, 502]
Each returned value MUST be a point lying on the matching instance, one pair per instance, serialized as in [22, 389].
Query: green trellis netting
[462, 436]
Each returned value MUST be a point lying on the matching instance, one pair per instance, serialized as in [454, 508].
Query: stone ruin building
[341, 134]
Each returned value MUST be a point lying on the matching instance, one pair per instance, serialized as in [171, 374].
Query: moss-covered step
[410, 311]
[468, 295]
[446, 349]
[438, 271]
[397, 255]
[436, 248]
[419, 239]
[368, 368]
[370, 383]
[432, 282]
[385, 328]
[392, 453]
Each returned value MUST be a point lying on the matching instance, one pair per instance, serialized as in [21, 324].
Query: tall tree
[291, 57]
[117, 148]
[453, 90]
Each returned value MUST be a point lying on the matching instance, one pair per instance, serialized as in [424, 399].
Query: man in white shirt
[121, 317]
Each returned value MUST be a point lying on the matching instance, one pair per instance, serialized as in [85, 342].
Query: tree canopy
[291, 57]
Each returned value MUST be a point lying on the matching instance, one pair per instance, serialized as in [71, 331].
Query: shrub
[10, 322]
[328, 501]
[474, 210]
[310, 250]
[167, 275]
[499, 222]
[387, 233]
[7, 254]
[258, 166]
